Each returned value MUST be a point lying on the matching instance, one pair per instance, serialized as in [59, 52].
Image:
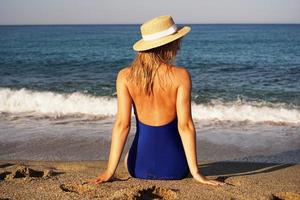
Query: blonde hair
[146, 63]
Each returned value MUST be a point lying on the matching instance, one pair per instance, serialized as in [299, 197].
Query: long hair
[146, 63]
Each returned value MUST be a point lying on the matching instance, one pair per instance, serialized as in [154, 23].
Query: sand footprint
[25, 172]
[151, 192]
[3, 175]
[75, 188]
[285, 196]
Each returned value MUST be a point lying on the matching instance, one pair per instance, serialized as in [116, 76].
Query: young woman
[164, 146]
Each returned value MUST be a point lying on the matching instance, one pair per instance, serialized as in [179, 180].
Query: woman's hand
[204, 180]
[104, 177]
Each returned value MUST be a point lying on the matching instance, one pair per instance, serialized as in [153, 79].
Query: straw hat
[159, 31]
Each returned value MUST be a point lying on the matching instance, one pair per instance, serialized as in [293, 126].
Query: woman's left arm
[121, 128]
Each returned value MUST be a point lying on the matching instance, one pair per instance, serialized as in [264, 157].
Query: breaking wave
[54, 104]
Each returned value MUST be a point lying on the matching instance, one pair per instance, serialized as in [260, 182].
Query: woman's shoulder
[180, 69]
[123, 72]
[181, 72]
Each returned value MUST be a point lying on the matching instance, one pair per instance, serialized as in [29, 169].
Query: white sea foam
[59, 104]
[55, 104]
[245, 111]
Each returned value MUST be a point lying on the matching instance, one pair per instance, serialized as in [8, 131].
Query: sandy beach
[63, 180]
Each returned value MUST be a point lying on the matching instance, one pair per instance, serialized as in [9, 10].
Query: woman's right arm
[186, 126]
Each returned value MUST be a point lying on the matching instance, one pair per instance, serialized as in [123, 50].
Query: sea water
[58, 96]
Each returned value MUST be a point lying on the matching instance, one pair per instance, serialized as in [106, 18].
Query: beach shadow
[237, 168]
[226, 169]
[223, 168]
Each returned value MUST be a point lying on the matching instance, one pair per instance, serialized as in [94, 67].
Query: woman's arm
[122, 123]
[121, 128]
[186, 126]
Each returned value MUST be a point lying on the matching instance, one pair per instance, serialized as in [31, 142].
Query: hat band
[160, 34]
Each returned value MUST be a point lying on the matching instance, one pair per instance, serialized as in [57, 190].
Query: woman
[164, 146]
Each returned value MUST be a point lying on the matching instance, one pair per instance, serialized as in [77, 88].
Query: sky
[139, 11]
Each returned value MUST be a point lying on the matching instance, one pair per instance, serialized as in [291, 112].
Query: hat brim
[143, 45]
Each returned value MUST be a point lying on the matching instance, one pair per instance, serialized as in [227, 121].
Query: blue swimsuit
[157, 152]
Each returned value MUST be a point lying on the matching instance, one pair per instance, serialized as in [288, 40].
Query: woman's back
[160, 108]
[157, 151]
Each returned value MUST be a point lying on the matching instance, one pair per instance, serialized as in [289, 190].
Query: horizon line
[79, 24]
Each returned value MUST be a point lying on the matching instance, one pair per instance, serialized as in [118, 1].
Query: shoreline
[63, 180]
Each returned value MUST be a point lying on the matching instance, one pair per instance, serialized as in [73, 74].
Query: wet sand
[63, 180]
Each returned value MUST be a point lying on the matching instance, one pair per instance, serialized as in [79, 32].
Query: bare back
[159, 108]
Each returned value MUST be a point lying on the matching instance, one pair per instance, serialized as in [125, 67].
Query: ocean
[58, 96]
